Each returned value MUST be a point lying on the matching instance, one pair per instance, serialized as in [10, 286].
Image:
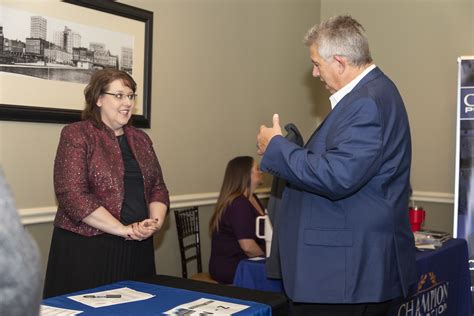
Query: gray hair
[342, 36]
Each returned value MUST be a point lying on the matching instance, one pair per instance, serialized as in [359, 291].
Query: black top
[237, 222]
[134, 207]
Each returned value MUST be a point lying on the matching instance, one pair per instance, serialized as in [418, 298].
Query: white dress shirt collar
[341, 93]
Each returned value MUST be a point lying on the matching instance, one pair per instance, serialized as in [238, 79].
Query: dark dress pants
[370, 309]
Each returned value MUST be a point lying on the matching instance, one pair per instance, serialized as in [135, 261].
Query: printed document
[111, 297]
[56, 311]
[205, 306]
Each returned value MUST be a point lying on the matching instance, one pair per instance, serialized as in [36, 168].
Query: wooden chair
[187, 226]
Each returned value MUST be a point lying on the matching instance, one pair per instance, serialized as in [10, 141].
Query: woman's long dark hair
[236, 183]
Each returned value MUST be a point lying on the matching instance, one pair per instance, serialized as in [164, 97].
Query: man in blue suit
[345, 240]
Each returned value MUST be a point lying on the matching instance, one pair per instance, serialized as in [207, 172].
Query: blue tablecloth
[251, 274]
[165, 299]
[444, 282]
[443, 286]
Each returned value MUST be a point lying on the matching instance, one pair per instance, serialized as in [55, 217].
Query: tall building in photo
[58, 39]
[76, 40]
[67, 39]
[127, 59]
[38, 27]
[1, 38]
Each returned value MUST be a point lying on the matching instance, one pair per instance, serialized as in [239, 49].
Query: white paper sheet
[127, 295]
[205, 306]
[46, 310]
[256, 258]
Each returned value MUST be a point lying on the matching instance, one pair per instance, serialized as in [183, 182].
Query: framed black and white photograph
[49, 50]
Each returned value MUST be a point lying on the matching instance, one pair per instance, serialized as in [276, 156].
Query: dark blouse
[237, 222]
[134, 207]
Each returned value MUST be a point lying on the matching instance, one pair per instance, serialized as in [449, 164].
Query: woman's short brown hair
[99, 83]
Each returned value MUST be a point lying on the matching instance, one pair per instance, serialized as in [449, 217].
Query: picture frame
[26, 108]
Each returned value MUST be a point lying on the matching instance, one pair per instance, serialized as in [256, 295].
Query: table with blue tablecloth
[251, 274]
[443, 286]
[170, 292]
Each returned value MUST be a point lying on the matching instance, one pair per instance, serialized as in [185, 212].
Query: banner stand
[464, 172]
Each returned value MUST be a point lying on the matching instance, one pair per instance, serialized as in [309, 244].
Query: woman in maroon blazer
[110, 191]
[232, 225]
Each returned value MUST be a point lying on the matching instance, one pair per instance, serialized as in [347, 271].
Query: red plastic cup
[417, 217]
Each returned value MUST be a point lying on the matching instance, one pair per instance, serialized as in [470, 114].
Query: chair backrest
[187, 226]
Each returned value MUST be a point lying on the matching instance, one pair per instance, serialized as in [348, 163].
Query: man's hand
[267, 133]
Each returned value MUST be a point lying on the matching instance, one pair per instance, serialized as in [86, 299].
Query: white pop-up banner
[464, 183]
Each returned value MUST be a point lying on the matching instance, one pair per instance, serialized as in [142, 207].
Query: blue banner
[464, 191]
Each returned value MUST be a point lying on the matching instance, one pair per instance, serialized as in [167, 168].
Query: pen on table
[103, 296]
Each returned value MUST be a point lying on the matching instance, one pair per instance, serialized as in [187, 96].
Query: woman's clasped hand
[142, 230]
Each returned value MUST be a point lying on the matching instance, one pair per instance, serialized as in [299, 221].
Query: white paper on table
[127, 295]
[256, 258]
[46, 310]
[205, 306]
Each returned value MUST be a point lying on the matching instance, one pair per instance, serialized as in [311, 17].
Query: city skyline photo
[31, 40]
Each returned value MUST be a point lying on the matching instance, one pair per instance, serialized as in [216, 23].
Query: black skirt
[78, 262]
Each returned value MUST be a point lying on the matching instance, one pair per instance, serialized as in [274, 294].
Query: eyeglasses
[121, 96]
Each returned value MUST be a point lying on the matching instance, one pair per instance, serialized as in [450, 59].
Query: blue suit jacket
[344, 230]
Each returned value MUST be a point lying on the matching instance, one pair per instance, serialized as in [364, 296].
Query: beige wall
[417, 44]
[221, 68]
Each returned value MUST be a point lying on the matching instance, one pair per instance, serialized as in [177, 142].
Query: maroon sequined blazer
[89, 172]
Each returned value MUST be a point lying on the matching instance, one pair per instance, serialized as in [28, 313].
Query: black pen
[103, 296]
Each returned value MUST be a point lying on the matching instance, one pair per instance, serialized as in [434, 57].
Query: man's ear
[341, 63]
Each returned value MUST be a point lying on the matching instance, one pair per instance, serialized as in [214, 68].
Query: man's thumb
[276, 120]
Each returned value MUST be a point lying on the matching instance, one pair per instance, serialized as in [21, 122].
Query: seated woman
[232, 226]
